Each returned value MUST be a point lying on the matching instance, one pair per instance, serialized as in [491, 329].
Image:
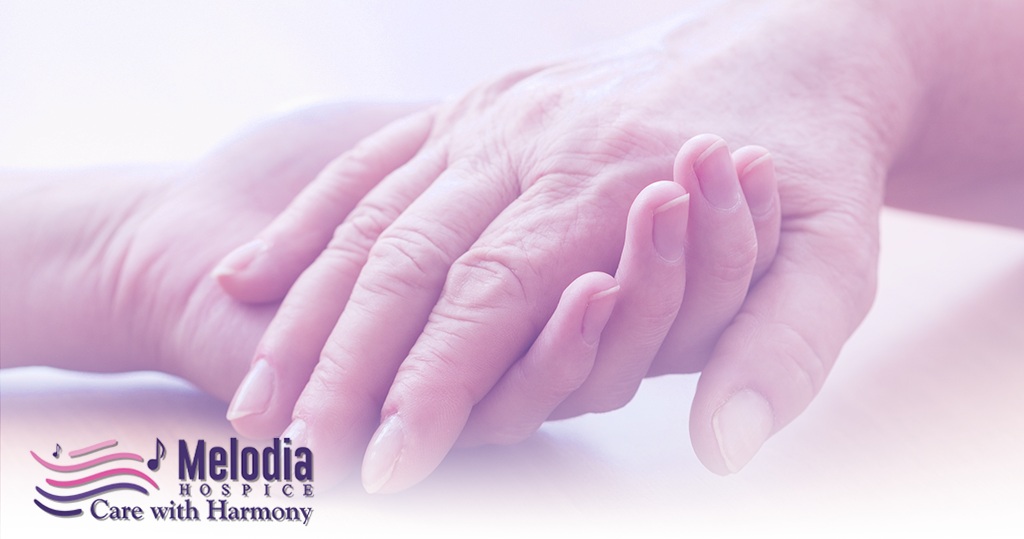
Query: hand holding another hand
[447, 273]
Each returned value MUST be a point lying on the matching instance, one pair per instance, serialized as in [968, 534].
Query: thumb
[774, 357]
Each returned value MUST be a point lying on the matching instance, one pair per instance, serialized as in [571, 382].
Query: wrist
[842, 69]
[65, 236]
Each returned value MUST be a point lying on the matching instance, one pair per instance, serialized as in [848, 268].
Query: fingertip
[336, 442]
[253, 411]
[557, 364]
[333, 464]
[250, 275]
[240, 258]
[735, 431]
[423, 419]
[383, 455]
[760, 189]
[232, 270]
[588, 301]
[401, 453]
[705, 167]
[588, 285]
[599, 310]
[757, 180]
[745, 156]
[691, 151]
[745, 393]
[669, 229]
[254, 393]
[658, 218]
[658, 194]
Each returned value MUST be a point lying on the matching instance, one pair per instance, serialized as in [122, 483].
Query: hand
[448, 271]
[658, 266]
[183, 320]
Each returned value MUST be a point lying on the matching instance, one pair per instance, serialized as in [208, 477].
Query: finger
[290, 349]
[652, 273]
[638, 329]
[264, 269]
[721, 251]
[496, 299]
[757, 178]
[774, 357]
[556, 365]
[389, 306]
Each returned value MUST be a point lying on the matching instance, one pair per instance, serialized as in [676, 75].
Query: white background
[918, 430]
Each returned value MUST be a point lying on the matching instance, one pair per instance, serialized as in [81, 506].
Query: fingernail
[758, 185]
[741, 426]
[253, 395]
[296, 432]
[717, 177]
[669, 230]
[382, 455]
[599, 310]
[240, 258]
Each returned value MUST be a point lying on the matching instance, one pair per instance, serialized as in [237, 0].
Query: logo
[105, 471]
[235, 483]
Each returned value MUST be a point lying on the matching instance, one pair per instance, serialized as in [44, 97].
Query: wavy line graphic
[93, 492]
[58, 512]
[101, 475]
[92, 448]
[86, 464]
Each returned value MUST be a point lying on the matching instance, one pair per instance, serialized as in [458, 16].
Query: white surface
[918, 430]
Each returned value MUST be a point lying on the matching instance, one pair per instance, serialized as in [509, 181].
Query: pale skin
[118, 261]
[853, 98]
[834, 146]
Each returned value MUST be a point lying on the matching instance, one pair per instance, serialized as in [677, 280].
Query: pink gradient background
[919, 428]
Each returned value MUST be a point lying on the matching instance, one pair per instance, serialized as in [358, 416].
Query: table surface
[918, 429]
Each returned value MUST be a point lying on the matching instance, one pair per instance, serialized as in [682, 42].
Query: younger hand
[179, 315]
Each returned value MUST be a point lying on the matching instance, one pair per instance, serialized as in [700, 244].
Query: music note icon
[56, 454]
[161, 452]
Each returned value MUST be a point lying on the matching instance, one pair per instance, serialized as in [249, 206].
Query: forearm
[929, 93]
[62, 235]
[964, 158]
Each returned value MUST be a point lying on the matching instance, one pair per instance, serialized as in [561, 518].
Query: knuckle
[332, 365]
[629, 137]
[409, 259]
[352, 240]
[804, 364]
[362, 227]
[565, 378]
[510, 434]
[652, 328]
[613, 398]
[555, 187]
[535, 104]
[490, 277]
[735, 262]
[439, 379]
[359, 161]
[845, 251]
[335, 374]
[407, 251]
[495, 90]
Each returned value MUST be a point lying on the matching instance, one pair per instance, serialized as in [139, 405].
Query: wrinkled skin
[445, 274]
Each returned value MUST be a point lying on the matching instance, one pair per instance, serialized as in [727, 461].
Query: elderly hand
[446, 273]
